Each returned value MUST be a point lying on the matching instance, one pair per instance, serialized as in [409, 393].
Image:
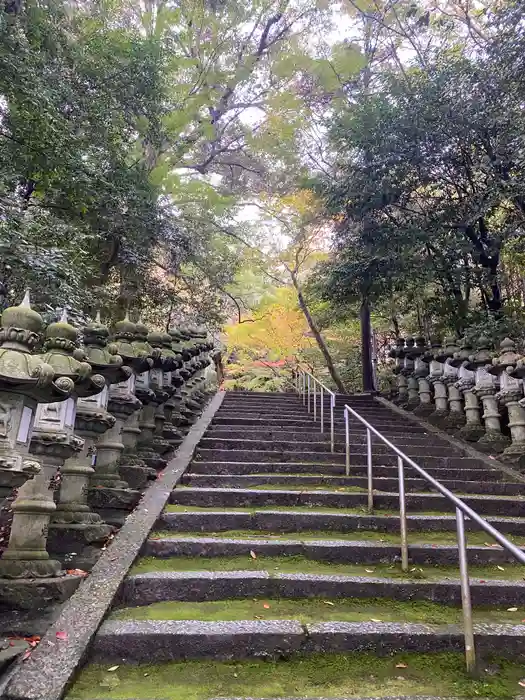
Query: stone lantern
[421, 370]
[398, 352]
[485, 389]
[436, 378]
[117, 457]
[473, 429]
[456, 416]
[414, 353]
[190, 409]
[26, 380]
[177, 380]
[510, 370]
[171, 361]
[74, 525]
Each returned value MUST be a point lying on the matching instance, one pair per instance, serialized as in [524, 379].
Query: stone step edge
[201, 586]
[148, 640]
[332, 550]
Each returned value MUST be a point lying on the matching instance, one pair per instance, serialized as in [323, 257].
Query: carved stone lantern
[456, 416]
[473, 428]
[398, 352]
[435, 377]
[171, 361]
[421, 370]
[486, 387]
[117, 461]
[510, 370]
[190, 409]
[177, 380]
[414, 353]
[25, 381]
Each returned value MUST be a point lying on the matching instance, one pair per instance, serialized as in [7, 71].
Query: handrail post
[315, 400]
[303, 375]
[466, 603]
[369, 470]
[322, 409]
[332, 435]
[309, 388]
[402, 515]
[347, 440]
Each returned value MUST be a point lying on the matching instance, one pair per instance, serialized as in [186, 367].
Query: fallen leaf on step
[400, 678]
[482, 581]
[266, 606]
[258, 617]
[522, 682]
[512, 609]
[375, 620]
[113, 668]
[401, 666]
[369, 571]
[252, 554]
[328, 602]
[76, 572]
[500, 568]
[61, 635]
[27, 654]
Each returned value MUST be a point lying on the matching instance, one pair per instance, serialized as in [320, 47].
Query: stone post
[456, 416]
[473, 428]
[508, 368]
[486, 387]
[25, 381]
[435, 377]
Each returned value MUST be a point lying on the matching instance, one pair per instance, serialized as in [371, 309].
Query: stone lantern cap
[161, 342]
[507, 360]
[463, 353]
[448, 349]
[141, 344]
[482, 356]
[123, 337]
[102, 355]
[21, 371]
[68, 360]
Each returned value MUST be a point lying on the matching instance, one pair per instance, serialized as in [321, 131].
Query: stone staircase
[266, 577]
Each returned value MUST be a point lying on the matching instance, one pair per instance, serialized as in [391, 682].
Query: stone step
[337, 551]
[312, 435]
[489, 505]
[324, 458]
[306, 421]
[290, 521]
[234, 468]
[156, 641]
[380, 483]
[196, 586]
[214, 443]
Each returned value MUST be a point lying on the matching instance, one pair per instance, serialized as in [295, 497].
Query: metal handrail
[306, 385]
[462, 510]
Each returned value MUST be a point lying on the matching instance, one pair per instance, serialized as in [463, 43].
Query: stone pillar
[26, 555]
[486, 387]
[508, 368]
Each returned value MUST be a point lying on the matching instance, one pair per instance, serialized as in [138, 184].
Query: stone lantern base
[493, 442]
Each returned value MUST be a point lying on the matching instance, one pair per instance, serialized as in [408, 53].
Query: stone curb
[296, 521]
[198, 586]
[458, 444]
[161, 640]
[46, 674]
[338, 551]
[227, 498]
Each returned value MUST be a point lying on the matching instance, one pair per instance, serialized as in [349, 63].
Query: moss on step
[309, 610]
[298, 564]
[447, 538]
[327, 676]
[359, 510]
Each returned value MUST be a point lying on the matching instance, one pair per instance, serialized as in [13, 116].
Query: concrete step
[314, 458]
[290, 521]
[380, 483]
[306, 421]
[233, 468]
[196, 586]
[214, 443]
[335, 550]
[156, 641]
[513, 506]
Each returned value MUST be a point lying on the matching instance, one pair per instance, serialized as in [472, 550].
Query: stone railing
[84, 426]
[475, 393]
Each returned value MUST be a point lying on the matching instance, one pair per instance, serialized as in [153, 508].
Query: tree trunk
[366, 347]
[317, 335]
